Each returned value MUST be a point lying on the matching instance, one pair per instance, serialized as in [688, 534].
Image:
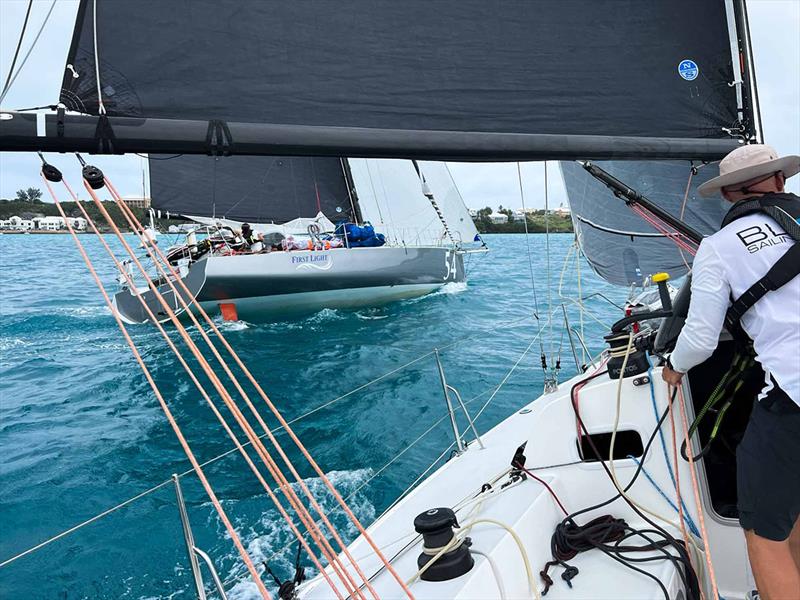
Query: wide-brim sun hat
[750, 162]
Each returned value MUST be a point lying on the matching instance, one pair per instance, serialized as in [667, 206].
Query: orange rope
[696, 490]
[203, 392]
[136, 226]
[173, 423]
[283, 483]
[678, 485]
[134, 223]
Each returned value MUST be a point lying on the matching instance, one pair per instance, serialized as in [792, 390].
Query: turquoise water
[80, 430]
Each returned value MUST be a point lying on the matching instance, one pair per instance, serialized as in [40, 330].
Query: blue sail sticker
[688, 69]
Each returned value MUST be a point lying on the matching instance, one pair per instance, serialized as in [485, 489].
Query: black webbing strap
[219, 141]
[782, 272]
[104, 135]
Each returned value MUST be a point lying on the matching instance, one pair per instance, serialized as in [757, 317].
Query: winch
[436, 526]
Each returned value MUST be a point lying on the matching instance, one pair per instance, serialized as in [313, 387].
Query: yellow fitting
[659, 277]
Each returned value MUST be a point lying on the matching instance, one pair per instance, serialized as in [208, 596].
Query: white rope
[101, 109]
[458, 540]
[27, 54]
[498, 577]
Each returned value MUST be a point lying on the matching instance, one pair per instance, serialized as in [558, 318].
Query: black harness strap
[785, 209]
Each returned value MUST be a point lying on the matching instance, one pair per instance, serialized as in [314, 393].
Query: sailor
[747, 277]
[251, 238]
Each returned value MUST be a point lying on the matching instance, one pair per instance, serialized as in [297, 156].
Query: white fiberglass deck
[549, 428]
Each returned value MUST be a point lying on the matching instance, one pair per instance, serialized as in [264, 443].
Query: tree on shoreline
[33, 195]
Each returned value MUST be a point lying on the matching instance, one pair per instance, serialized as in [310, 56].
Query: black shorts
[768, 467]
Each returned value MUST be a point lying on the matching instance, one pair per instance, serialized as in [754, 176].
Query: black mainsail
[453, 79]
[263, 189]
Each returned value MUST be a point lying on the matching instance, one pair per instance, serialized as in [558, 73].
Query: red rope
[676, 237]
[545, 484]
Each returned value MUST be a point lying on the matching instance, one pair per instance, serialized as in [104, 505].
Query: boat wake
[268, 537]
[448, 289]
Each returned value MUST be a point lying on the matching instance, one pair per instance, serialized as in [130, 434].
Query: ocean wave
[269, 537]
[372, 314]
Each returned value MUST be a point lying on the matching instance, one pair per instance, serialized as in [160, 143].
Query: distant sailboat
[310, 209]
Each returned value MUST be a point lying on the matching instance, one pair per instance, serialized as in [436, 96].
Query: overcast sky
[775, 27]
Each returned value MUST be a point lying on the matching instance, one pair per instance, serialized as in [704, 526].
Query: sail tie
[170, 418]
[326, 481]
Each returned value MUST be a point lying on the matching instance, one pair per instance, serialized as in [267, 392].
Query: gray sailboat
[417, 233]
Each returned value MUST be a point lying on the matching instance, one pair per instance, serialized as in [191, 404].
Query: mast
[352, 192]
[750, 105]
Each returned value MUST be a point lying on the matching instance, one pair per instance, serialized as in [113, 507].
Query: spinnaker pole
[632, 197]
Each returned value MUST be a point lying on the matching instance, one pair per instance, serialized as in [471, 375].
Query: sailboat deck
[527, 508]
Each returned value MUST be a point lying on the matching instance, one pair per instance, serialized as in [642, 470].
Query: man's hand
[671, 376]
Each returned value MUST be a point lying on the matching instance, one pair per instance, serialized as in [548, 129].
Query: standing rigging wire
[170, 417]
[553, 382]
[326, 481]
[12, 78]
[238, 445]
[530, 268]
[19, 45]
[257, 444]
[692, 173]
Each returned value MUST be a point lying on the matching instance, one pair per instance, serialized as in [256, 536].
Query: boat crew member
[251, 238]
[759, 230]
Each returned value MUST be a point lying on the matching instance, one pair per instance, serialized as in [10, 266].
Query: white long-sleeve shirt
[726, 265]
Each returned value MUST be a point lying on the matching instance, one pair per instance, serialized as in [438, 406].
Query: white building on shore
[16, 223]
[498, 218]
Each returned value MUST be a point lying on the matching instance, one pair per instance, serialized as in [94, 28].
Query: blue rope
[688, 518]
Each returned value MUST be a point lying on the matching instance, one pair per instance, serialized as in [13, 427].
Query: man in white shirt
[727, 264]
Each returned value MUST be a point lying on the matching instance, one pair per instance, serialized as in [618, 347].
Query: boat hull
[281, 283]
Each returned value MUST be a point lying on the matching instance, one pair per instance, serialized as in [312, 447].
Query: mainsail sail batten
[412, 79]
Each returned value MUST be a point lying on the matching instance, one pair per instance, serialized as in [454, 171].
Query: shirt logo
[758, 237]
